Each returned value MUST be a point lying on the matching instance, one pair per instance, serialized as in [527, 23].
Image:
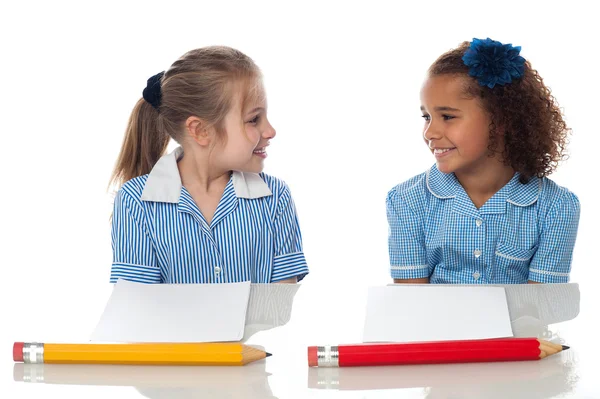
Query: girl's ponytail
[143, 145]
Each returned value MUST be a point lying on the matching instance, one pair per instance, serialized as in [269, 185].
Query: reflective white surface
[286, 319]
[343, 81]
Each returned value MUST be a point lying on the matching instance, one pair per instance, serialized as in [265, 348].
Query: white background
[343, 81]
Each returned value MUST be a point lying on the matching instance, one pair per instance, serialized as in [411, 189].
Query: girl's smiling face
[247, 134]
[456, 126]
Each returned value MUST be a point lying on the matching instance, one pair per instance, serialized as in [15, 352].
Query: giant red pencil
[496, 350]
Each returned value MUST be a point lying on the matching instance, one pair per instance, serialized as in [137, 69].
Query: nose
[269, 132]
[431, 133]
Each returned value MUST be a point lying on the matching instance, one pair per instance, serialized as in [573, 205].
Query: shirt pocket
[512, 264]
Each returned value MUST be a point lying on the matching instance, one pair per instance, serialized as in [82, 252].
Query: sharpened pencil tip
[268, 354]
[565, 347]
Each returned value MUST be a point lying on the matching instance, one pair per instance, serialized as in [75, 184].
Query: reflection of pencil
[208, 378]
[199, 354]
[494, 350]
[435, 375]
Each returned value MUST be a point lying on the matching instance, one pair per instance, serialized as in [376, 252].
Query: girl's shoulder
[276, 184]
[549, 188]
[552, 195]
[413, 192]
[133, 188]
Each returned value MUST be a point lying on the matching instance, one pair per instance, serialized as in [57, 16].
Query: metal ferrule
[33, 353]
[328, 356]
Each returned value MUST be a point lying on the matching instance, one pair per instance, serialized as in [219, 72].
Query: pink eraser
[312, 356]
[18, 351]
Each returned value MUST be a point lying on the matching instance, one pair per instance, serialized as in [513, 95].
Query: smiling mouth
[440, 151]
[261, 152]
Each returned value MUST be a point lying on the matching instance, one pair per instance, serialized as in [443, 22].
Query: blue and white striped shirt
[159, 234]
[524, 232]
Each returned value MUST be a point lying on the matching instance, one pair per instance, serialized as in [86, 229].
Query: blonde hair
[200, 83]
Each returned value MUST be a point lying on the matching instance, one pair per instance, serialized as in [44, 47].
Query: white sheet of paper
[138, 312]
[415, 313]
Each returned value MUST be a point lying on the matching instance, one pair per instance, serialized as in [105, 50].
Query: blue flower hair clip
[492, 62]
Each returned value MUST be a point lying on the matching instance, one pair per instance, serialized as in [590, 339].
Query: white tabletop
[286, 319]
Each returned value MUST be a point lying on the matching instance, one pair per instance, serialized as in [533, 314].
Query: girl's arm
[406, 242]
[134, 258]
[292, 280]
[424, 280]
[552, 260]
[289, 264]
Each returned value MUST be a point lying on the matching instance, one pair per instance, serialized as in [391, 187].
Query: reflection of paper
[415, 313]
[174, 313]
[270, 306]
[550, 303]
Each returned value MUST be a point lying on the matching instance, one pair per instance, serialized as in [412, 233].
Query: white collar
[164, 183]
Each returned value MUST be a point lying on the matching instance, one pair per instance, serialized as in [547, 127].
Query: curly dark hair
[535, 134]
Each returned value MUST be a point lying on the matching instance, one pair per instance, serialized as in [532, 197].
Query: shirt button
[217, 270]
[476, 275]
[477, 253]
[478, 222]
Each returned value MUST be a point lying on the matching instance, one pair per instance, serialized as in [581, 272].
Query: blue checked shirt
[160, 236]
[524, 232]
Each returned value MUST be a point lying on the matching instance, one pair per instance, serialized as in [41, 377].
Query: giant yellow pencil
[182, 354]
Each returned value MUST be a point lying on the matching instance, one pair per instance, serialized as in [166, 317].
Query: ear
[197, 130]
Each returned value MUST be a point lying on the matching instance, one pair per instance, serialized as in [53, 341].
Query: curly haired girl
[485, 213]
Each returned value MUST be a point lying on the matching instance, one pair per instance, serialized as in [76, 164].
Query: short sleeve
[551, 262]
[406, 240]
[134, 258]
[289, 260]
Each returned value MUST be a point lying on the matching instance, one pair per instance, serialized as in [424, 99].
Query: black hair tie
[152, 93]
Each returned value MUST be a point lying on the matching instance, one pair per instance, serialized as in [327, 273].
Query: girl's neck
[197, 174]
[481, 184]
